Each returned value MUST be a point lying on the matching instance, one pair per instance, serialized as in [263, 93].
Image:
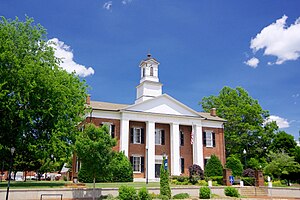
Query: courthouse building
[158, 125]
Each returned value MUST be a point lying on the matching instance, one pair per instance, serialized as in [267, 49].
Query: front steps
[253, 191]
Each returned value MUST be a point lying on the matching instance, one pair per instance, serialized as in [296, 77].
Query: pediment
[163, 104]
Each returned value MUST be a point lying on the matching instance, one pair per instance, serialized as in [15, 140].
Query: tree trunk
[94, 188]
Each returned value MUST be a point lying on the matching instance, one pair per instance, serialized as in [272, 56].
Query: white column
[150, 145]
[198, 146]
[124, 136]
[175, 149]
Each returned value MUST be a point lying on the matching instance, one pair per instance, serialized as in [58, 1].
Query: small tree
[235, 165]
[164, 181]
[196, 173]
[121, 168]
[94, 149]
[213, 167]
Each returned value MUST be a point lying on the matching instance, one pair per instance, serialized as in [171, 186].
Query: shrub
[213, 167]
[65, 178]
[83, 175]
[202, 183]
[235, 165]
[196, 174]
[144, 194]
[121, 168]
[218, 179]
[164, 181]
[231, 192]
[248, 181]
[127, 193]
[248, 173]
[204, 193]
[181, 196]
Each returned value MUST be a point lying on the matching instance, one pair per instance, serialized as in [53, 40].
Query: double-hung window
[111, 128]
[137, 163]
[137, 135]
[159, 137]
[209, 139]
[181, 138]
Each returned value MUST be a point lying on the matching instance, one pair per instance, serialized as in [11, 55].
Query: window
[111, 128]
[137, 163]
[182, 165]
[143, 72]
[151, 71]
[159, 137]
[137, 135]
[209, 139]
[181, 138]
[206, 160]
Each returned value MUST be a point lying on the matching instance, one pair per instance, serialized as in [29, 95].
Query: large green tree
[93, 147]
[283, 142]
[40, 103]
[245, 122]
[282, 166]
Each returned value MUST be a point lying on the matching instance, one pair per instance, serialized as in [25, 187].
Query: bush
[127, 193]
[163, 197]
[144, 194]
[235, 165]
[248, 173]
[218, 179]
[202, 183]
[83, 175]
[181, 196]
[204, 193]
[213, 167]
[231, 192]
[196, 174]
[121, 168]
[164, 181]
[248, 181]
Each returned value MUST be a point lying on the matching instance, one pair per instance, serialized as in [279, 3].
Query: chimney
[88, 99]
[213, 112]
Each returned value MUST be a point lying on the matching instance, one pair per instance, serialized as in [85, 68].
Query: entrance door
[157, 170]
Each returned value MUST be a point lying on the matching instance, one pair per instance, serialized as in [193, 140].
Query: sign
[166, 164]
[231, 179]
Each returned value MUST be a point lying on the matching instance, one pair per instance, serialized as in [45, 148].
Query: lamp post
[147, 179]
[245, 155]
[12, 151]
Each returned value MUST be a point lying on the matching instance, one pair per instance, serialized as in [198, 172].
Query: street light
[245, 155]
[12, 151]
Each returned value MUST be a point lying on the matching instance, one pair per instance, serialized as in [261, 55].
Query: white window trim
[135, 135]
[109, 126]
[158, 131]
[139, 164]
[210, 139]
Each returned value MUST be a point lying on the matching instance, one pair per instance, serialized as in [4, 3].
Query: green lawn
[61, 184]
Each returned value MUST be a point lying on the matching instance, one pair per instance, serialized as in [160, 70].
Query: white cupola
[149, 86]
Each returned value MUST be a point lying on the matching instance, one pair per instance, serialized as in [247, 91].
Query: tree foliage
[282, 166]
[283, 142]
[235, 165]
[93, 147]
[40, 103]
[213, 167]
[164, 181]
[245, 122]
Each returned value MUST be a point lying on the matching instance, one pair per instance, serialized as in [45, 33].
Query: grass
[61, 184]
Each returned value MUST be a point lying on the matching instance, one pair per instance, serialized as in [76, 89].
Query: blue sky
[202, 46]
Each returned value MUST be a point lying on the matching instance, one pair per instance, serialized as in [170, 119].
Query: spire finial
[149, 54]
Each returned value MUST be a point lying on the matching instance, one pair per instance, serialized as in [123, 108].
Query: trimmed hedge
[204, 193]
[127, 193]
[181, 196]
[231, 192]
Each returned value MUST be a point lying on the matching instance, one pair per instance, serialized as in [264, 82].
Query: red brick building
[158, 125]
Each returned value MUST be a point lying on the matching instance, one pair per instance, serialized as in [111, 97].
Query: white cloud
[281, 122]
[107, 5]
[64, 52]
[295, 95]
[279, 40]
[124, 2]
[253, 62]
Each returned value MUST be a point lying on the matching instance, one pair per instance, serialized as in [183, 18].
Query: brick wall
[138, 149]
[219, 149]
[161, 149]
[186, 151]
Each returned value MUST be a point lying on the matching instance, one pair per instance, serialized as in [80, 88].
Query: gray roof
[209, 117]
[98, 105]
